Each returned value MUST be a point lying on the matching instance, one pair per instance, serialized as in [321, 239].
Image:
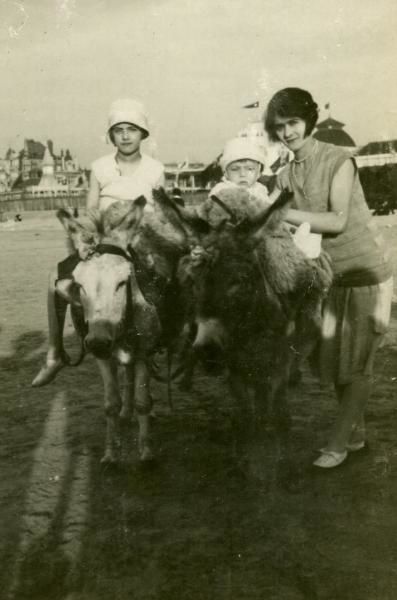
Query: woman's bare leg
[353, 399]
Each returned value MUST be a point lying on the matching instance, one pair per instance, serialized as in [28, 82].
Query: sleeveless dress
[356, 312]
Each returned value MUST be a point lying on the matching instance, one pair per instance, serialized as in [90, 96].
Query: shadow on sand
[220, 516]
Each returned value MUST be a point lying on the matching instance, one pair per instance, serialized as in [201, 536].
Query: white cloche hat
[128, 111]
[241, 148]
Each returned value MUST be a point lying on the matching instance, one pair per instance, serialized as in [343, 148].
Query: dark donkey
[123, 281]
[254, 298]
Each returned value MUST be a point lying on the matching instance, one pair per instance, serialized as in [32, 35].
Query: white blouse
[114, 186]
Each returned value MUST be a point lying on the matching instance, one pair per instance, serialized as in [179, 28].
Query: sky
[194, 64]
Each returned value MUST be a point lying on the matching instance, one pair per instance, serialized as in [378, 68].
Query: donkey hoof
[109, 458]
[146, 454]
[126, 416]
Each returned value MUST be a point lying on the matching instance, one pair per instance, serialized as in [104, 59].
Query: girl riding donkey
[123, 175]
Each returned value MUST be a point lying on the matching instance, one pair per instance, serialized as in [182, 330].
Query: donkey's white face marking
[102, 282]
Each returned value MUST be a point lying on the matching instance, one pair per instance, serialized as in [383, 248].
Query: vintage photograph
[198, 300]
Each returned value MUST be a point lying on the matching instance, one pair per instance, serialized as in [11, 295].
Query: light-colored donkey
[123, 320]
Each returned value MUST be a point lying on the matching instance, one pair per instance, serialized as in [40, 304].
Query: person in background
[328, 197]
[177, 196]
[123, 175]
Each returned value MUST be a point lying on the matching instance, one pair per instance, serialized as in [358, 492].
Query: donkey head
[104, 280]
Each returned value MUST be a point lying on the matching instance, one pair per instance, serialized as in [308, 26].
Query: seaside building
[331, 131]
[377, 154]
[37, 170]
[187, 176]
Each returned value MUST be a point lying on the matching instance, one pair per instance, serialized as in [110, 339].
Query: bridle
[79, 324]
[266, 287]
[131, 257]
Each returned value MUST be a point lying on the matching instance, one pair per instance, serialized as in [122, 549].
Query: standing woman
[328, 195]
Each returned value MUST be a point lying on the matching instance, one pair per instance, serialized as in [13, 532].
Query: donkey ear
[271, 217]
[182, 217]
[82, 238]
[118, 216]
[140, 202]
[68, 221]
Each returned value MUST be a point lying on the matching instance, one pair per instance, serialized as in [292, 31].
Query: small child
[120, 176]
[242, 163]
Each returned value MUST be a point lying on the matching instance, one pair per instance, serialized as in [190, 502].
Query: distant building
[9, 170]
[377, 154]
[37, 168]
[331, 131]
[188, 176]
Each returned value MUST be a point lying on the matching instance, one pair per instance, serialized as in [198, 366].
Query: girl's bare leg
[56, 311]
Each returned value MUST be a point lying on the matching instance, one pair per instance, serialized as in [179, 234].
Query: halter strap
[112, 249]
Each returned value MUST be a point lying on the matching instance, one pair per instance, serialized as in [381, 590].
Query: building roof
[338, 137]
[331, 131]
[34, 149]
[11, 154]
[191, 167]
[382, 147]
[330, 124]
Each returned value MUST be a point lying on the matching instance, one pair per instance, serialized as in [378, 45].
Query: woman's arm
[93, 193]
[333, 221]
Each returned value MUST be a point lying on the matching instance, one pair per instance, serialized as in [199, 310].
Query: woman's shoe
[48, 372]
[329, 459]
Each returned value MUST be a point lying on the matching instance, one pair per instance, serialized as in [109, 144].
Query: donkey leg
[143, 405]
[108, 369]
[127, 397]
[242, 418]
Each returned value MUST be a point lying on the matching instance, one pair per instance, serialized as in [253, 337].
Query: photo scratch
[20, 20]
[65, 10]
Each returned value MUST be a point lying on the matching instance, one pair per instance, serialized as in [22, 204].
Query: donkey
[255, 298]
[123, 282]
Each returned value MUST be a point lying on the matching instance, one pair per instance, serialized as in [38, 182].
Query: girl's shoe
[329, 459]
[48, 373]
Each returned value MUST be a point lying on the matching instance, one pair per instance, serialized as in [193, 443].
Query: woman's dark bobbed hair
[290, 102]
